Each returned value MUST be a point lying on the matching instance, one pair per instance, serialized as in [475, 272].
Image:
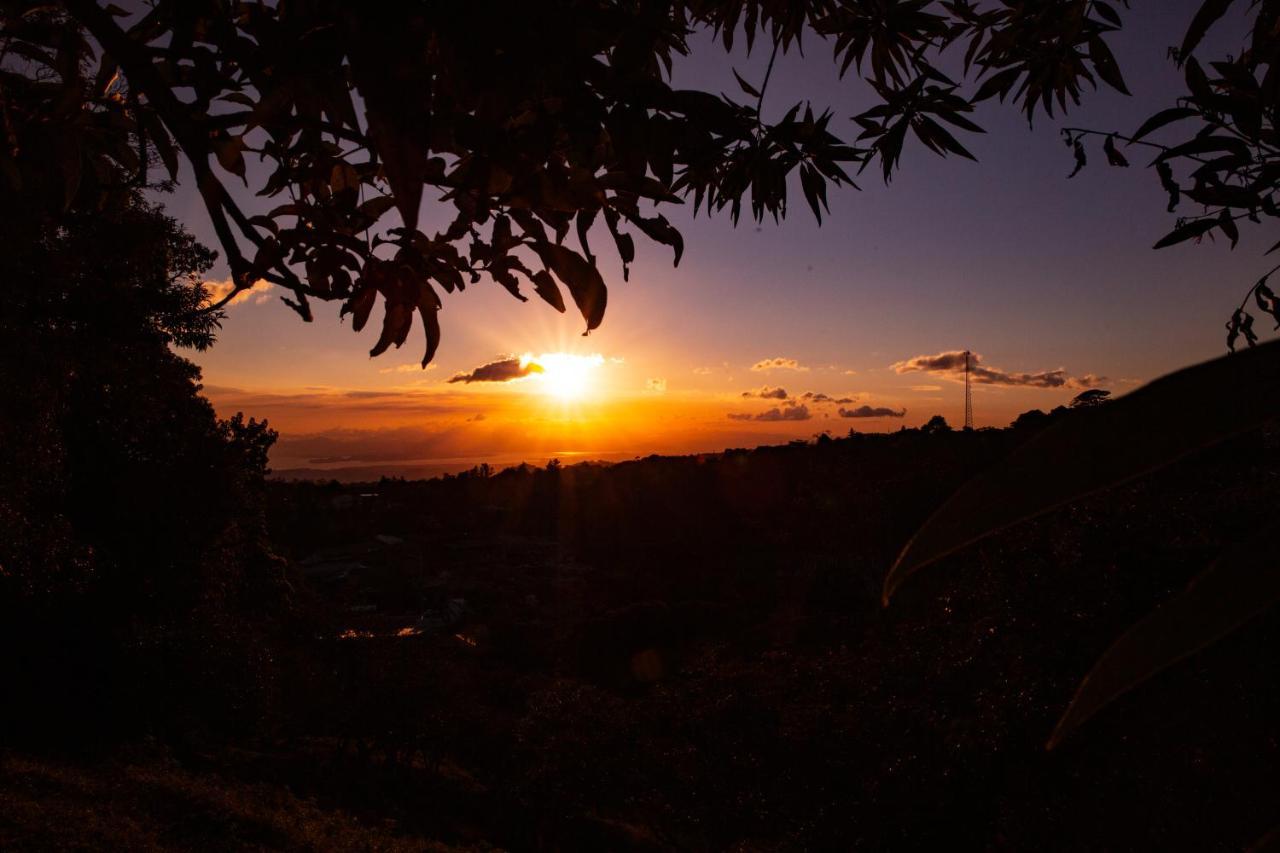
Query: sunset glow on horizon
[770, 333]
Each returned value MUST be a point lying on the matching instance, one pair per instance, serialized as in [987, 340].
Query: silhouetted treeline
[689, 653]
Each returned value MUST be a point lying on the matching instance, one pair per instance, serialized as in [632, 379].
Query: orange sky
[337, 409]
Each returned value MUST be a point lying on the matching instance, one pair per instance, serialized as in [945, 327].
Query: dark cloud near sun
[951, 365]
[872, 412]
[767, 393]
[503, 370]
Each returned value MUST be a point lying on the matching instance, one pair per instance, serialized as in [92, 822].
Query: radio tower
[968, 393]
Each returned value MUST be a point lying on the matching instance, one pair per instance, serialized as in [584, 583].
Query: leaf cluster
[323, 137]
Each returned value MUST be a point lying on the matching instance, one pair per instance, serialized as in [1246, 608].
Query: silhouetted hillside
[689, 652]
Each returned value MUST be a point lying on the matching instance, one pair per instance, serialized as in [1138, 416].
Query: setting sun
[563, 375]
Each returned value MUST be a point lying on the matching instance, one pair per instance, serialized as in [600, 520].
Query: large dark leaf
[1092, 449]
[1186, 231]
[1162, 118]
[581, 277]
[1241, 584]
[1208, 15]
[429, 307]
[395, 327]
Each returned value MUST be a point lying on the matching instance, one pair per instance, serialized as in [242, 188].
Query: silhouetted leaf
[1114, 157]
[1208, 15]
[378, 205]
[1241, 584]
[429, 307]
[746, 87]
[1186, 231]
[230, 154]
[404, 164]
[545, 286]
[1165, 171]
[1107, 12]
[1104, 62]
[583, 280]
[395, 327]
[659, 229]
[1228, 226]
[359, 306]
[1107, 445]
[1081, 159]
[1162, 118]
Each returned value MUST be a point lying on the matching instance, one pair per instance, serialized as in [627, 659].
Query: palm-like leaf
[1091, 450]
[1242, 583]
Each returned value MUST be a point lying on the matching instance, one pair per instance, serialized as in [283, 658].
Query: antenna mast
[968, 393]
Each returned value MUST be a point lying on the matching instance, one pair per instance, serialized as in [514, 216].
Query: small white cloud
[657, 386]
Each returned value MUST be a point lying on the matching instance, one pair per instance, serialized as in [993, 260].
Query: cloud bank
[824, 398]
[872, 412]
[789, 412]
[767, 393]
[950, 364]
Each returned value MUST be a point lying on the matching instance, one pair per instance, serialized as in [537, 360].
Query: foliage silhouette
[1221, 136]
[131, 530]
[526, 121]
[1111, 444]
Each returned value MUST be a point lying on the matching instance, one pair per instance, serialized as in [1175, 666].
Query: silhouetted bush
[135, 571]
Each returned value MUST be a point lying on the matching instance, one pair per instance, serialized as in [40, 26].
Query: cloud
[658, 386]
[371, 395]
[871, 412]
[951, 365]
[789, 412]
[503, 370]
[259, 292]
[779, 364]
[703, 371]
[824, 398]
[926, 387]
[767, 393]
[478, 417]
[1090, 380]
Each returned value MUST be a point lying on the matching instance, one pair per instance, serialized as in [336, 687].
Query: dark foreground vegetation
[664, 654]
[685, 653]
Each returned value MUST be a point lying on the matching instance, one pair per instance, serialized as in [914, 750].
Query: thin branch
[765, 85]
[1129, 140]
[1256, 285]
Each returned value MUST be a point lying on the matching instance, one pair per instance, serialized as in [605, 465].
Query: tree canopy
[416, 147]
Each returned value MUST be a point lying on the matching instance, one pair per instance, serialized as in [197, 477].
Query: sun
[563, 375]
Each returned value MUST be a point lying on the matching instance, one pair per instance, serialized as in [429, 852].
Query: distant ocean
[424, 469]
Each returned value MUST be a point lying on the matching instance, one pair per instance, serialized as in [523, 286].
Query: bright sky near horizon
[1052, 281]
